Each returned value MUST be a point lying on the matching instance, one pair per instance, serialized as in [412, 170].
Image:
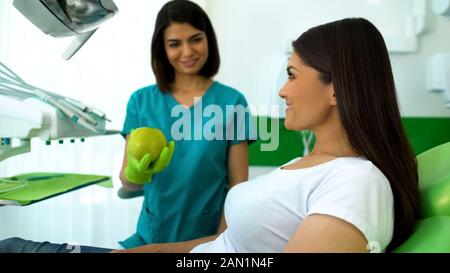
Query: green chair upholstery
[431, 235]
[434, 181]
[432, 232]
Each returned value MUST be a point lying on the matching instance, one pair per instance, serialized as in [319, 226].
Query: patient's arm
[181, 247]
[237, 173]
[323, 233]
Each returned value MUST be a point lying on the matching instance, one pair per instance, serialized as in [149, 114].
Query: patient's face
[309, 101]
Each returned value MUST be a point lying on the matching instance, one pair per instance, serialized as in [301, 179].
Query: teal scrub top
[185, 201]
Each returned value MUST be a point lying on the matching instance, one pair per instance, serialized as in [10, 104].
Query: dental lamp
[62, 18]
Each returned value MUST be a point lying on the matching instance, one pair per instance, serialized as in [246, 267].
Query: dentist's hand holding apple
[148, 153]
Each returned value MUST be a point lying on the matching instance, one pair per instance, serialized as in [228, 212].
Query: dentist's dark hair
[352, 55]
[181, 11]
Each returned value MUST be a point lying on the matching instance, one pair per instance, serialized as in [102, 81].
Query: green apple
[146, 140]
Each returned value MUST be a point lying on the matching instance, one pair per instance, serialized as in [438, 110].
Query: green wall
[423, 133]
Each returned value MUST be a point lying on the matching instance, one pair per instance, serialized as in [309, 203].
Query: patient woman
[358, 189]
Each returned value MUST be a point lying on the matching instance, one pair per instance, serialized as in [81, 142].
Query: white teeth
[191, 63]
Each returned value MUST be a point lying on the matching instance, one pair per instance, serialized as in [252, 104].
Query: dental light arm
[62, 18]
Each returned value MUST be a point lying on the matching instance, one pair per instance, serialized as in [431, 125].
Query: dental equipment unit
[28, 112]
[62, 18]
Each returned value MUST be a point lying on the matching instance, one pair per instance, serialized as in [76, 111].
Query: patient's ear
[333, 100]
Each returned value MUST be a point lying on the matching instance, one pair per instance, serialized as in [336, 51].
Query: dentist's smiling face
[186, 48]
[309, 101]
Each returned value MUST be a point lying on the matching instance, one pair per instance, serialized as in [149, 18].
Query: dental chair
[432, 231]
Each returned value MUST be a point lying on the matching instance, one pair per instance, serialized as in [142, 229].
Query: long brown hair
[352, 54]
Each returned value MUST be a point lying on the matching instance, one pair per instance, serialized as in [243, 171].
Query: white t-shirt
[264, 213]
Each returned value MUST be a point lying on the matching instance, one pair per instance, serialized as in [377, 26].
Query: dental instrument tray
[7, 185]
[29, 112]
[26, 189]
